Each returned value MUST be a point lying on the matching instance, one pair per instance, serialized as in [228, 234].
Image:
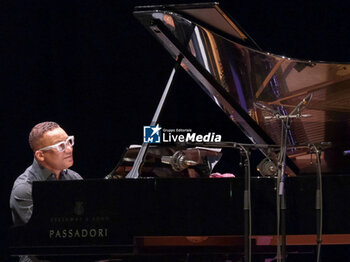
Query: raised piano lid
[236, 74]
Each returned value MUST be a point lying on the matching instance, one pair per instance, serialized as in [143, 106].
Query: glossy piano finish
[237, 74]
[106, 216]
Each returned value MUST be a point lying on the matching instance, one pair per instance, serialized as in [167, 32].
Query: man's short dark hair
[38, 131]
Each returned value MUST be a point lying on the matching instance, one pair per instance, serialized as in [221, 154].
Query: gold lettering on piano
[78, 233]
[79, 219]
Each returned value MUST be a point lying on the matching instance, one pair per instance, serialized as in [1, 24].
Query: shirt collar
[43, 173]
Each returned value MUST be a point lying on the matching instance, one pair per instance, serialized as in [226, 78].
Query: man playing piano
[53, 155]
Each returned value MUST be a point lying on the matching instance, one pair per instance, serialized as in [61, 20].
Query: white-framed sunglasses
[61, 146]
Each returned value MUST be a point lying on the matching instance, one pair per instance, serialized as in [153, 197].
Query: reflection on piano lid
[169, 161]
[237, 74]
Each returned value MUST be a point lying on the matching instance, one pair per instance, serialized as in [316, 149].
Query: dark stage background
[90, 66]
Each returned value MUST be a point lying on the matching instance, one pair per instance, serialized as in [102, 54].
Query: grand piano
[175, 214]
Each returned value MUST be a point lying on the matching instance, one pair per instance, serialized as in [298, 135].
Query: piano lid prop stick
[135, 171]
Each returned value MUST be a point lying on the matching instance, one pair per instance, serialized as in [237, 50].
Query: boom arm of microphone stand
[304, 102]
[228, 144]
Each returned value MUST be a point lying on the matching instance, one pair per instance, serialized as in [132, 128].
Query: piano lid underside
[245, 76]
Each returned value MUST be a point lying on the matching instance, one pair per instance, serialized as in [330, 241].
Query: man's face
[52, 159]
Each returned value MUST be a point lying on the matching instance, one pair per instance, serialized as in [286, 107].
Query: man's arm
[21, 203]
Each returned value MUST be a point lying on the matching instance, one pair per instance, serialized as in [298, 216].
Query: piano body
[136, 216]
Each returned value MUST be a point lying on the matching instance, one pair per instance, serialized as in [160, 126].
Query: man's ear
[39, 155]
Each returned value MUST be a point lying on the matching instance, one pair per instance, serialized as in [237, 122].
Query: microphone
[266, 108]
[296, 112]
[288, 116]
[178, 161]
[267, 168]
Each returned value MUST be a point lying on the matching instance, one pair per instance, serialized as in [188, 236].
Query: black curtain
[90, 66]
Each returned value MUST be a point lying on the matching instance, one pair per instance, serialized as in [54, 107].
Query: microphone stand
[280, 198]
[281, 204]
[281, 176]
[247, 208]
[319, 201]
